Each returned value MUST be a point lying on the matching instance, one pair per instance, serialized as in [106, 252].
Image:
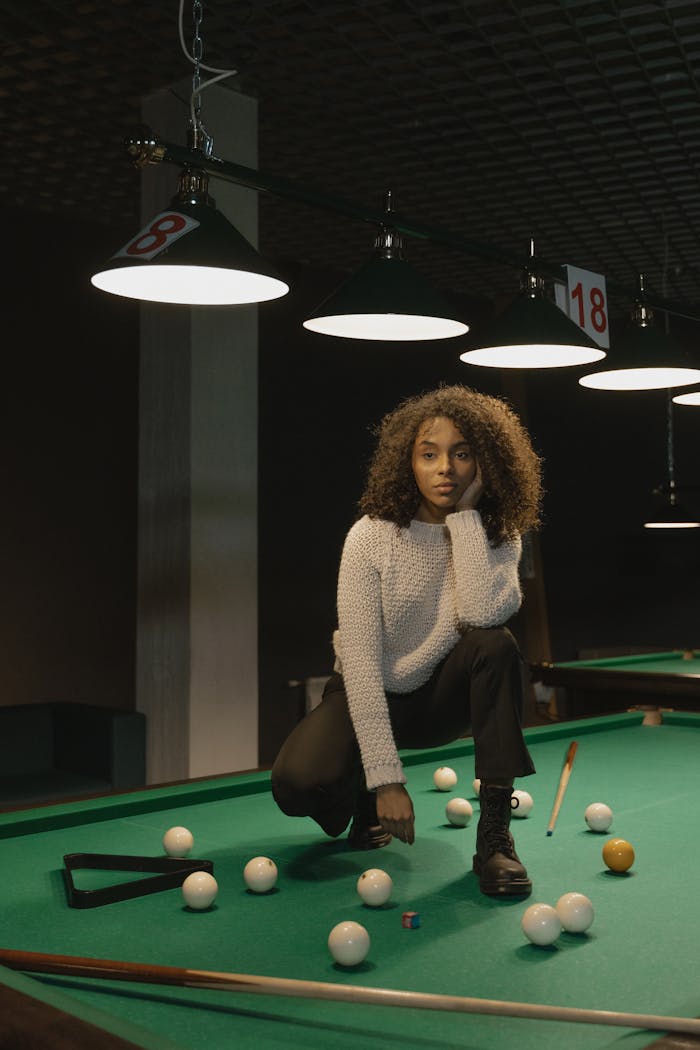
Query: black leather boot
[495, 861]
[365, 831]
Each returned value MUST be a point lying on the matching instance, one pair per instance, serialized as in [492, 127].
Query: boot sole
[510, 888]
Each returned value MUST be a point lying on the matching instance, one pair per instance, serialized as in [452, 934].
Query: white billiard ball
[199, 890]
[459, 812]
[444, 778]
[523, 807]
[476, 787]
[260, 874]
[177, 842]
[598, 816]
[374, 887]
[541, 924]
[348, 943]
[575, 911]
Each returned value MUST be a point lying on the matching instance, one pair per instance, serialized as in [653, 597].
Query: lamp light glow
[531, 355]
[189, 285]
[659, 378]
[688, 397]
[672, 524]
[386, 326]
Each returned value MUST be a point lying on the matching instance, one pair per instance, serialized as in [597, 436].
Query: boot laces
[496, 820]
[498, 836]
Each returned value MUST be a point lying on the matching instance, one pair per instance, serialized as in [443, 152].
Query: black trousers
[477, 688]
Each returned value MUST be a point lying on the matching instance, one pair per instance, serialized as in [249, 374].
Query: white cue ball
[177, 842]
[444, 778]
[524, 805]
[575, 911]
[598, 816]
[459, 812]
[476, 787]
[348, 943]
[199, 890]
[260, 874]
[541, 924]
[374, 887]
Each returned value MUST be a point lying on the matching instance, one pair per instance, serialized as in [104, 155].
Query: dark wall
[69, 445]
[609, 581]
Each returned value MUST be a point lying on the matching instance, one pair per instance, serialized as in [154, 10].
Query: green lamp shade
[647, 359]
[386, 300]
[190, 254]
[532, 332]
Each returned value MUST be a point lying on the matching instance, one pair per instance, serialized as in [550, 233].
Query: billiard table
[640, 955]
[663, 679]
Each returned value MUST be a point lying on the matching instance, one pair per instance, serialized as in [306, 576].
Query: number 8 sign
[160, 234]
[587, 303]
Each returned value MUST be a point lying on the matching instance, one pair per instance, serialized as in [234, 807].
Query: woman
[428, 577]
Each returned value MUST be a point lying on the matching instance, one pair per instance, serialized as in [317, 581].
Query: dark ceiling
[574, 122]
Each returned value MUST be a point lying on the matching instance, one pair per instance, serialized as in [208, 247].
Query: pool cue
[115, 970]
[563, 783]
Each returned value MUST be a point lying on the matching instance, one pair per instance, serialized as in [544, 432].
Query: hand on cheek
[473, 492]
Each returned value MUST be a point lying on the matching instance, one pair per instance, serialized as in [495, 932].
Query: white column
[197, 676]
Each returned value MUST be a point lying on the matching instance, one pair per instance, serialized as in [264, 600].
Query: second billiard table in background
[606, 685]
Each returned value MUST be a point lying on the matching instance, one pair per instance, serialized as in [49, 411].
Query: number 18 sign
[586, 303]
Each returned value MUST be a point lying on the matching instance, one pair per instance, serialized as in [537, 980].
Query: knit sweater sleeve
[359, 646]
[486, 578]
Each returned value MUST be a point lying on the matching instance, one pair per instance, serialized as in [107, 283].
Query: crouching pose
[428, 578]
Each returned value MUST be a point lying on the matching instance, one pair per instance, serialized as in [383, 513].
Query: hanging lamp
[668, 512]
[532, 332]
[387, 299]
[651, 358]
[190, 253]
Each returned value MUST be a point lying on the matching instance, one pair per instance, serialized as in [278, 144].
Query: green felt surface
[647, 663]
[640, 954]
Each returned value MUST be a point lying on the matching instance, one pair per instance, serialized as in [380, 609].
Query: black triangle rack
[167, 873]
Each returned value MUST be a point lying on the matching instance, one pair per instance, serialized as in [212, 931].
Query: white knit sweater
[405, 597]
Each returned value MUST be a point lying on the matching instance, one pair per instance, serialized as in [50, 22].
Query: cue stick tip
[563, 783]
[549, 834]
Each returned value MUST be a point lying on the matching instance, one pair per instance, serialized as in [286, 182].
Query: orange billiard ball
[618, 855]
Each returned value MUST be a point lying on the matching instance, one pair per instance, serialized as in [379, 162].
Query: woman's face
[443, 466]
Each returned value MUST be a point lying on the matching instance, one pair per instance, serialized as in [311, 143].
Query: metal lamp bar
[148, 149]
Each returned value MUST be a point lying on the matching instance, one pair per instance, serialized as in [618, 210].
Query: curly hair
[511, 469]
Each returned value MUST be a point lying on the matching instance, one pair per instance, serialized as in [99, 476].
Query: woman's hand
[395, 812]
[473, 492]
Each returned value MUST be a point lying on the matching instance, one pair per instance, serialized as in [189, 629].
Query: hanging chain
[197, 51]
[200, 139]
